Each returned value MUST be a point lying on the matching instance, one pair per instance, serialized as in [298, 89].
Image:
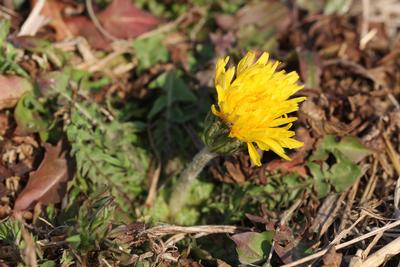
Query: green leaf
[4, 30]
[311, 5]
[337, 6]
[74, 240]
[343, 173]
[175, 90]
[325, 146]
[353, 149]
[320, 183]
[252, 247]
[27, 115]
[48, 264]
[158, 105]
[150, 51]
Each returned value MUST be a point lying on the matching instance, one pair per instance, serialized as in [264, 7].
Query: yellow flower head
[255, 104]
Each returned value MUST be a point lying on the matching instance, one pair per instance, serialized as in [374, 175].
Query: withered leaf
[123, 20]
[53, 10]
[332, 258]
[12, 88]
[48, 183]
[120, 18]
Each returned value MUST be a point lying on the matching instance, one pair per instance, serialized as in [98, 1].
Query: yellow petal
[246, 62]
[255, 103]
[254, 156]
[215, 111]
[263, 59]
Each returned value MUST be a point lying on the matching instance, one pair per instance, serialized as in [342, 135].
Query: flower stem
[184, 184]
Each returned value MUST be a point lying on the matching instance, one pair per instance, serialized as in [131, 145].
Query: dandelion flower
[253, 100]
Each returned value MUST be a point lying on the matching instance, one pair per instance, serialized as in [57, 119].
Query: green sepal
[216, 136]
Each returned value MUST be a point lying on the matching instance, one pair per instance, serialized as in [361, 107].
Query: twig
[153, 186]
[394, 157]
[34, 21]
[206, 229]
[343, 245]
[372, 181]
[366, 251]
[382, 255]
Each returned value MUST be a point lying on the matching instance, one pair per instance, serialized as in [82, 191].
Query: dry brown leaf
[12, 88]
[83, 26]
[53, 10]
[120, 18]
[235, 172]
[48, 183]
[221, 263]
[123, 20]
[332, 258]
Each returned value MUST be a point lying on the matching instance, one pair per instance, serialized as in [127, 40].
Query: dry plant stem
[153, 186]
[34, 21]
[371, 245]
[343, 245]
[186, 179]
[382, 255]
[205, 229]
[394, 157]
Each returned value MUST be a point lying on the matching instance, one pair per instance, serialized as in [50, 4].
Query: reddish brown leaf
[82, 26]
[278, 16]
[123, 20]
[12, 88]
[48, 183]
[294, 166]
[120, 18]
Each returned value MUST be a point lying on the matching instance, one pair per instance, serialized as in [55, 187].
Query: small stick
[207, 229]
[34, 21]
[366, 252]
[153, 186]
[343, 245]
[382, 255]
